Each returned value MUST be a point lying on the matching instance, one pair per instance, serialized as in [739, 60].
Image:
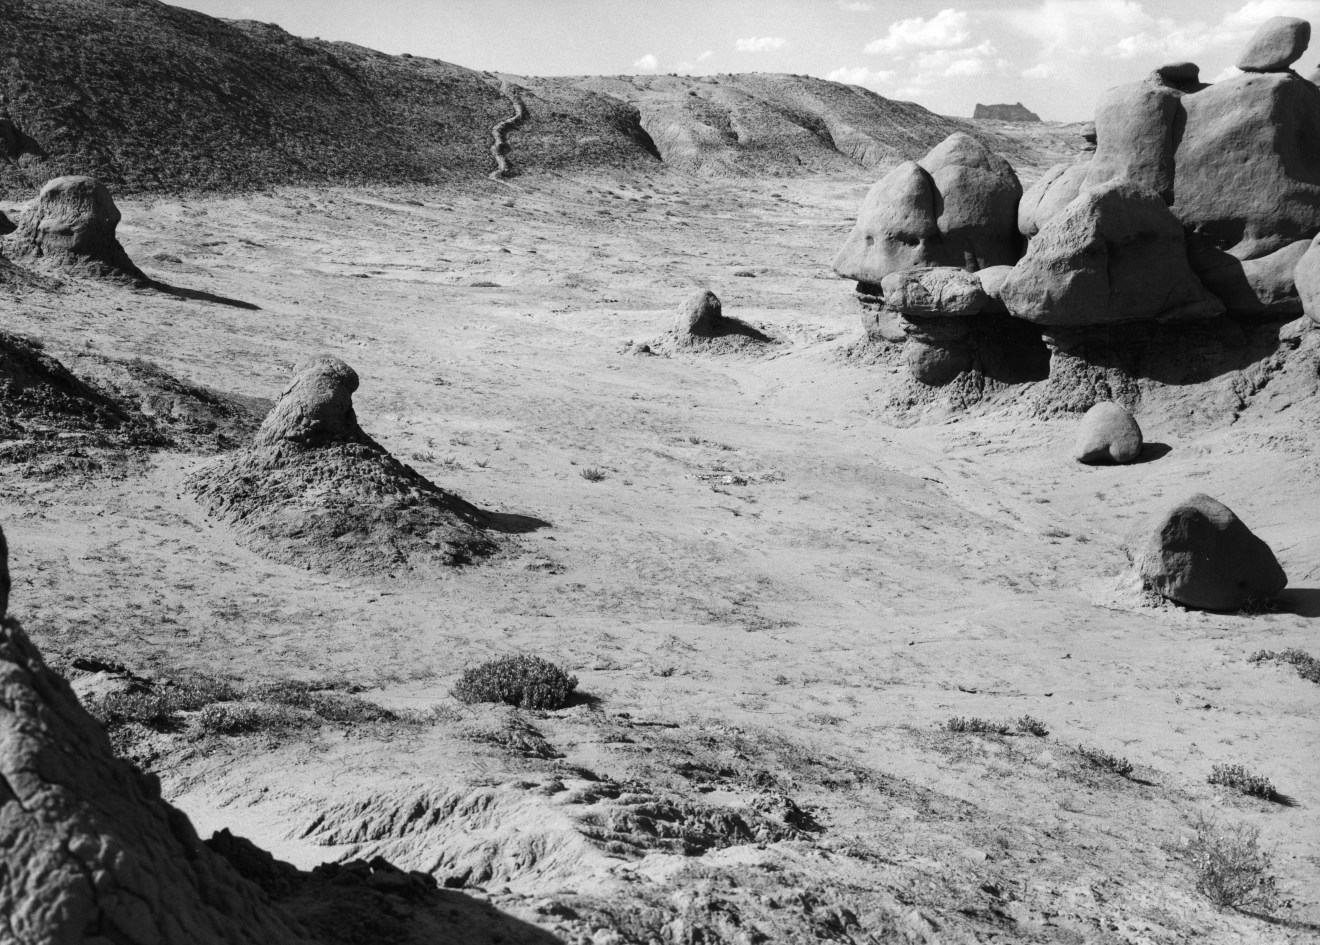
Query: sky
[1054, 56]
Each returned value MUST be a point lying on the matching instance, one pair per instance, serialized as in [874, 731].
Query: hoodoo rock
[1261, 288]
[1278, 43]
[1202, 555]
[1115, 254]
[1108, 434]
[701, 315]
[92, 851]
[72, 225]
[1045, 198]
[316, 491]
[942, 291]
[957, 206]
[1134, 127]
[1307, 278]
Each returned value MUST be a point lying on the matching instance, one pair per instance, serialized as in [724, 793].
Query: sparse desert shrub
[1103, 759]
[119, 708]
[246, 718]
[1232, 871]
[1308, 667]
[1029, 726]
[1240, 779]
[592, 474]
[330, 707]
[527, 682]
[975, 726]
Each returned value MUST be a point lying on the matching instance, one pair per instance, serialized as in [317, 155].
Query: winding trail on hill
[500, 148]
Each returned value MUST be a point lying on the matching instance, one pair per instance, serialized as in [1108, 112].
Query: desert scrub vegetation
[526, 682]
[592, 474]
[976, 726]
[1098, 758]
[1231, 869]
[1307, 666]
[1243, 781]
[1030, 726]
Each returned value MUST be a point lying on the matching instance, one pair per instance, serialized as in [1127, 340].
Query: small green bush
[1103, 759]
[1307, 666]
[1240, 779]
[1029, 726]
[527, 682]
[975, 726]
[1232, 871]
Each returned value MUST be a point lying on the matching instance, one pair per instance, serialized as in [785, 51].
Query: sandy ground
[774, 571]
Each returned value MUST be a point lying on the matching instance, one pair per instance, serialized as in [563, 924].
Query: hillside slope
[148, 96]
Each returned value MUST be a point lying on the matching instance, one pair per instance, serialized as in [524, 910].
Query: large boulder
[72, 225]
[956, 207]
[938, 291]
[92, 853]
[1262, 288]
[1202, 555]
[1135, 137]
[1115, 254]
[1248, 163]
[701, 315]
[1278, 43]
[1045, 198]
[1108, 434]
[1307, 278]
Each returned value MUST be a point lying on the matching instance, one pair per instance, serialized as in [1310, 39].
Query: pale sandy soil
[779, 581]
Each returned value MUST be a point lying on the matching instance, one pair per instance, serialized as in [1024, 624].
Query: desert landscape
[646, 387]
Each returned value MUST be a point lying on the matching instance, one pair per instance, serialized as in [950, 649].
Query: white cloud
[706, 55]
[856, 6]
[1039, 71]
[861, 75]
[1256, 12]
[760, 44]
[647, 63]
[945, 30]
[1226, 73]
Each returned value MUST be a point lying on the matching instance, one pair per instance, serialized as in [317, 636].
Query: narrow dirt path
[499, 150]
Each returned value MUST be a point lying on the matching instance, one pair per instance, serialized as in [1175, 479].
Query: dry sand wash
[775, 594]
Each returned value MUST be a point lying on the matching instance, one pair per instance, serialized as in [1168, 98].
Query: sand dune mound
[316, 491]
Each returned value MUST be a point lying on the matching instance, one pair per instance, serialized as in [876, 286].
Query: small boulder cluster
[314, 490]
[1200, 203]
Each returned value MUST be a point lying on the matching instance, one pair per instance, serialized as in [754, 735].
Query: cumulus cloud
[945, 30]
[860, 75]
[647, 63]
[760, 44]
[705, 55]
[856, 6]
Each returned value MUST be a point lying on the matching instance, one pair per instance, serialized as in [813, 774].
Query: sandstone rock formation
[1014, 112]
[1260, 288]
[1134, 127]
[701, 315]
[92, 851]
[316, 491]
[936, 307]
[1059, 187]
[1115, 254]
[1202, 555]
[1277, 44]
[7, 226]
[1108, 434]
[957, 206]
[1306, 276]
[71, 225]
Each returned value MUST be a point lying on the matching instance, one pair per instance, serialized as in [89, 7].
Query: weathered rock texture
[1278, 43]
[1134, 127]
[316, 491]
[1306, 275]
[91, 851]
[1058, 188]
[701, 315]
[955, 207]
[1014, 112]
[1108, 434]
[72, 226]
[1115, 254]
[1203, 556]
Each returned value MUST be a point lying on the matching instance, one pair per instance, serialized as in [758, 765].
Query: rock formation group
[1199, 206]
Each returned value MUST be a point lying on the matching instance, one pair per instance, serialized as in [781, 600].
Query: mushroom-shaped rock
[92, 851]
[1278, 43]
[936, 291]
[72, 225]
[896, 228]
[1108, 434]
[1045, 198]
[316, 491]
[1135, 137]
[1202, 555]
[1115, 254]
[316, 408]
[1183, 76]
[701, 315]
[1247, 176]
[979, 193]
[1306, 276]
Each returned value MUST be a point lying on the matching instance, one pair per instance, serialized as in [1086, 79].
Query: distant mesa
[314, 490]
[71, 225]
[1014, 112]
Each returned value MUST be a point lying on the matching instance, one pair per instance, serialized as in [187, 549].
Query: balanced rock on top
[1278, 43]
[72, 225]
[1202, 555]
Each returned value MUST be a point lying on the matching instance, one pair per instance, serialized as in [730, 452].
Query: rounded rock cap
[1108, 434]
[701, 314]
[1278, 43]
[316, 407]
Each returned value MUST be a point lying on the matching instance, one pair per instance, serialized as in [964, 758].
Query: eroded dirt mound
[316, 491]
[71, 225]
